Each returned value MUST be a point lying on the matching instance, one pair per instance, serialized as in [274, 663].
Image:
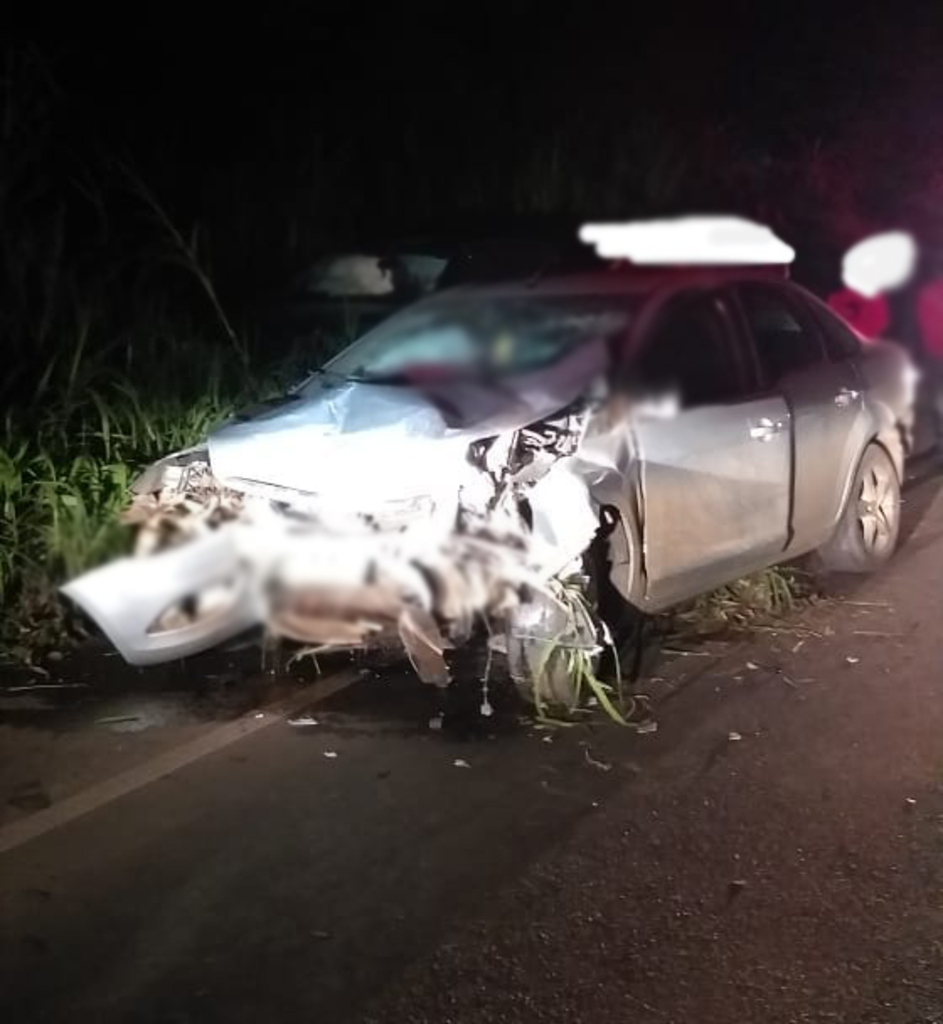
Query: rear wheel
[870, 523]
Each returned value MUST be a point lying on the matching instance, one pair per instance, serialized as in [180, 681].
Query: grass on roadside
[762, 599]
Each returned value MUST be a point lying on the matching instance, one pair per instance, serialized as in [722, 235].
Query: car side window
[840, 340]
[786, 341]
[689, 353]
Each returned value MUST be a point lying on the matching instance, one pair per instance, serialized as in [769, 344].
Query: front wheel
[870, 523]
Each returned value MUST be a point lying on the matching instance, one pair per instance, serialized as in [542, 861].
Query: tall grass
[68, 456]
[116, 347]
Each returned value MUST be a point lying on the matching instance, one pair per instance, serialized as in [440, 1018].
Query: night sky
[334, 122]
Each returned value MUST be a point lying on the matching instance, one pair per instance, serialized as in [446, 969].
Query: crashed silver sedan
[464, 469]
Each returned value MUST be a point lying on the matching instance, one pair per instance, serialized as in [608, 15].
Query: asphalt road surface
[773, 852]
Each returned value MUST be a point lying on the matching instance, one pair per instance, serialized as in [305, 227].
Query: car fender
[884, 431]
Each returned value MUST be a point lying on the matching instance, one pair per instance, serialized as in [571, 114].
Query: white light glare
[714, 241]
[880, 263]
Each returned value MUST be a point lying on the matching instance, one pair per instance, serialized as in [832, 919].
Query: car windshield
[466, 335]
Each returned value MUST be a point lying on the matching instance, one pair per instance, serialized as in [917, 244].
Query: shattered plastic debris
[602, 766]
[302, 720]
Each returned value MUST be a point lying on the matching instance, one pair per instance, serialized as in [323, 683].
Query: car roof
[621, 279]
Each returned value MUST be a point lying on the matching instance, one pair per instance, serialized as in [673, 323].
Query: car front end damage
[484, 555]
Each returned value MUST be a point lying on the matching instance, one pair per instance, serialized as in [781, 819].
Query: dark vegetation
[141, 236]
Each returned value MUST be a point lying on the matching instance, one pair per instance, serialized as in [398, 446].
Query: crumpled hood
[377, 442]
[362, 439]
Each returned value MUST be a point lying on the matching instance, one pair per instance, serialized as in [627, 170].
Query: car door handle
[766, 429]
[845, 396]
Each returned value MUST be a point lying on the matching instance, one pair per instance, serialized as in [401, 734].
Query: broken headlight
[173, 471]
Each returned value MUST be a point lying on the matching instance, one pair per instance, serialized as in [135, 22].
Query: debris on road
[734, 737]
[33, 687]
[734, 888]
[776, 670]
[602, 766]
[459, 763]
[330, 754]
[852, 660]
[302, 721]
[117, 719]
[647, 727]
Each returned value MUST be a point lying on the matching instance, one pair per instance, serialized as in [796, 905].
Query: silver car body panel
[715, 487]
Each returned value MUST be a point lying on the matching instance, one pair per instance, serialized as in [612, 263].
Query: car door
[715, 475]
[823, 393]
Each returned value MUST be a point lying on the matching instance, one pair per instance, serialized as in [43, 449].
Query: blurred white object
[715, 241]
[350, 275]
[880, 263]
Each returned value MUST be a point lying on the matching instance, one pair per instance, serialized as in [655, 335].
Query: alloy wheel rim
[877, 509]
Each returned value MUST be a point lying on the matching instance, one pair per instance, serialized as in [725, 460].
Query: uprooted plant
[760, 600]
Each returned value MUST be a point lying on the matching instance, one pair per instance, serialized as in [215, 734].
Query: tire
[557, 686]
[541, 645]
[867, 532]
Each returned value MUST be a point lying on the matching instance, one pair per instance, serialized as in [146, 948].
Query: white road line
[22, 831]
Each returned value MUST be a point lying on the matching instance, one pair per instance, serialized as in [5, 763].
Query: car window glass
[840, 340]
[477, 333]
[786, 342]
[688, 354]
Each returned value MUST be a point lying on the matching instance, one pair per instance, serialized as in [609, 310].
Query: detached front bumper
[127, 597]
[325, 591]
